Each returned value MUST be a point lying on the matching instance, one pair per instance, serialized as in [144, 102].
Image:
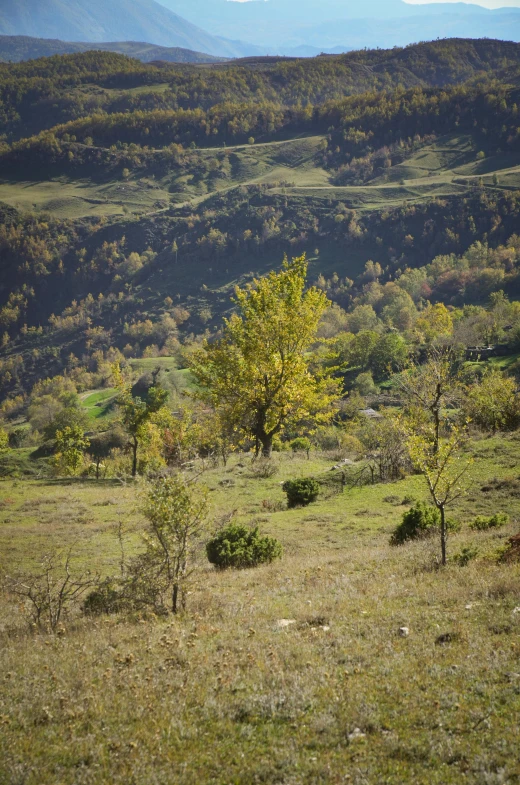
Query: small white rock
[516, 610]
[283, 623]
[469, 607]
[404, 632]
[356, 734]
[325, 628]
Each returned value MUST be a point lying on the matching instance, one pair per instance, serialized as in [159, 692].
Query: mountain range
[295, 27]
[227, 28]
[112, 20]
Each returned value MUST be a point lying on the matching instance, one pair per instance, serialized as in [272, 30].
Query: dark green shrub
[18, 437]
[301, 492]
[105, 598]
[419, 521]
[465, 555]
[483, 523]
[239, 547]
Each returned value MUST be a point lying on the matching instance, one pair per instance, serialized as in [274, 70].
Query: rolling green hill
[40, 94]
[17, 48]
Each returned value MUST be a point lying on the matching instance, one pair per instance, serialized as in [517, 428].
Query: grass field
[448, 166]
[98, 403]
[68, 198]
[230, 693]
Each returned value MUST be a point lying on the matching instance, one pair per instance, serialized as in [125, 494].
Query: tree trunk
[444, 536]
[178, 598]
[134, 459]
[267, 445]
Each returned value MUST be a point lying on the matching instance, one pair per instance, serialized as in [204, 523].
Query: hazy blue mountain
[16, 48]
[284, 26]
[109, 20]
[344, 35]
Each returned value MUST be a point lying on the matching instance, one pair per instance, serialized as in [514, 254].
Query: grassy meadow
[290, 673]
[449, 166]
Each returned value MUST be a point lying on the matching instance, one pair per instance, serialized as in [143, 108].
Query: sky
[486, 3]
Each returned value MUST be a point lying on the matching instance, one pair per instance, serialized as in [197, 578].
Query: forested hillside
[136, 195]
[41, 94]
[17, 48]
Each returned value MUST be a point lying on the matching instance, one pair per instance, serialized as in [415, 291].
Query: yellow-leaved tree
[256, 376]
[436, 431]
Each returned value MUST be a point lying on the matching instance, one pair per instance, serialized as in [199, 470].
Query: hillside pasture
[293, 673]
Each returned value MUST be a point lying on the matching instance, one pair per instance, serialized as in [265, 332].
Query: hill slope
[160, 188]
[96, 20]
[46, 92]
[17, 48]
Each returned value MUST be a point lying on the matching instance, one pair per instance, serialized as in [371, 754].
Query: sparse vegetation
[483, 523]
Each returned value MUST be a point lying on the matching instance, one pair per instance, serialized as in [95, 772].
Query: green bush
[419, 521]
[105, 598]
[301, 444]
[301, 492]
[483, 523]
[465, 555]
[239, 547]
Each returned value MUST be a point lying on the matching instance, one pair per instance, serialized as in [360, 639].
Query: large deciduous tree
[256, 376]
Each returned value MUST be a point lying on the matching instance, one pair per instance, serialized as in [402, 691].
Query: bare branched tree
[49, 593]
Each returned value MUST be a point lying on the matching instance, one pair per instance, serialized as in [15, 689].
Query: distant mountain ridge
[295, 27]
[16, 49]
[112, 20]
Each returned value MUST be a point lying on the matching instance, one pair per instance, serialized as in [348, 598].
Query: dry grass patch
[225, 695]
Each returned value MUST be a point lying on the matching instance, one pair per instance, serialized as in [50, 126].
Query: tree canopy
[257, 374]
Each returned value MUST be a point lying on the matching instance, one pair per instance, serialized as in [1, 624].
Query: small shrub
[279, 445]
[511, 553]
[465, 555]
[239, 547]
[419, 521]
[105, 598]
[302, 492]
[301, 444]
[364, 384]
[264, 468]
[395, 500]
[273, 505]
[483, 523]
[337, 441]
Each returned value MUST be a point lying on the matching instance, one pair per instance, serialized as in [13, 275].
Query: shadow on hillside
[101, 483]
